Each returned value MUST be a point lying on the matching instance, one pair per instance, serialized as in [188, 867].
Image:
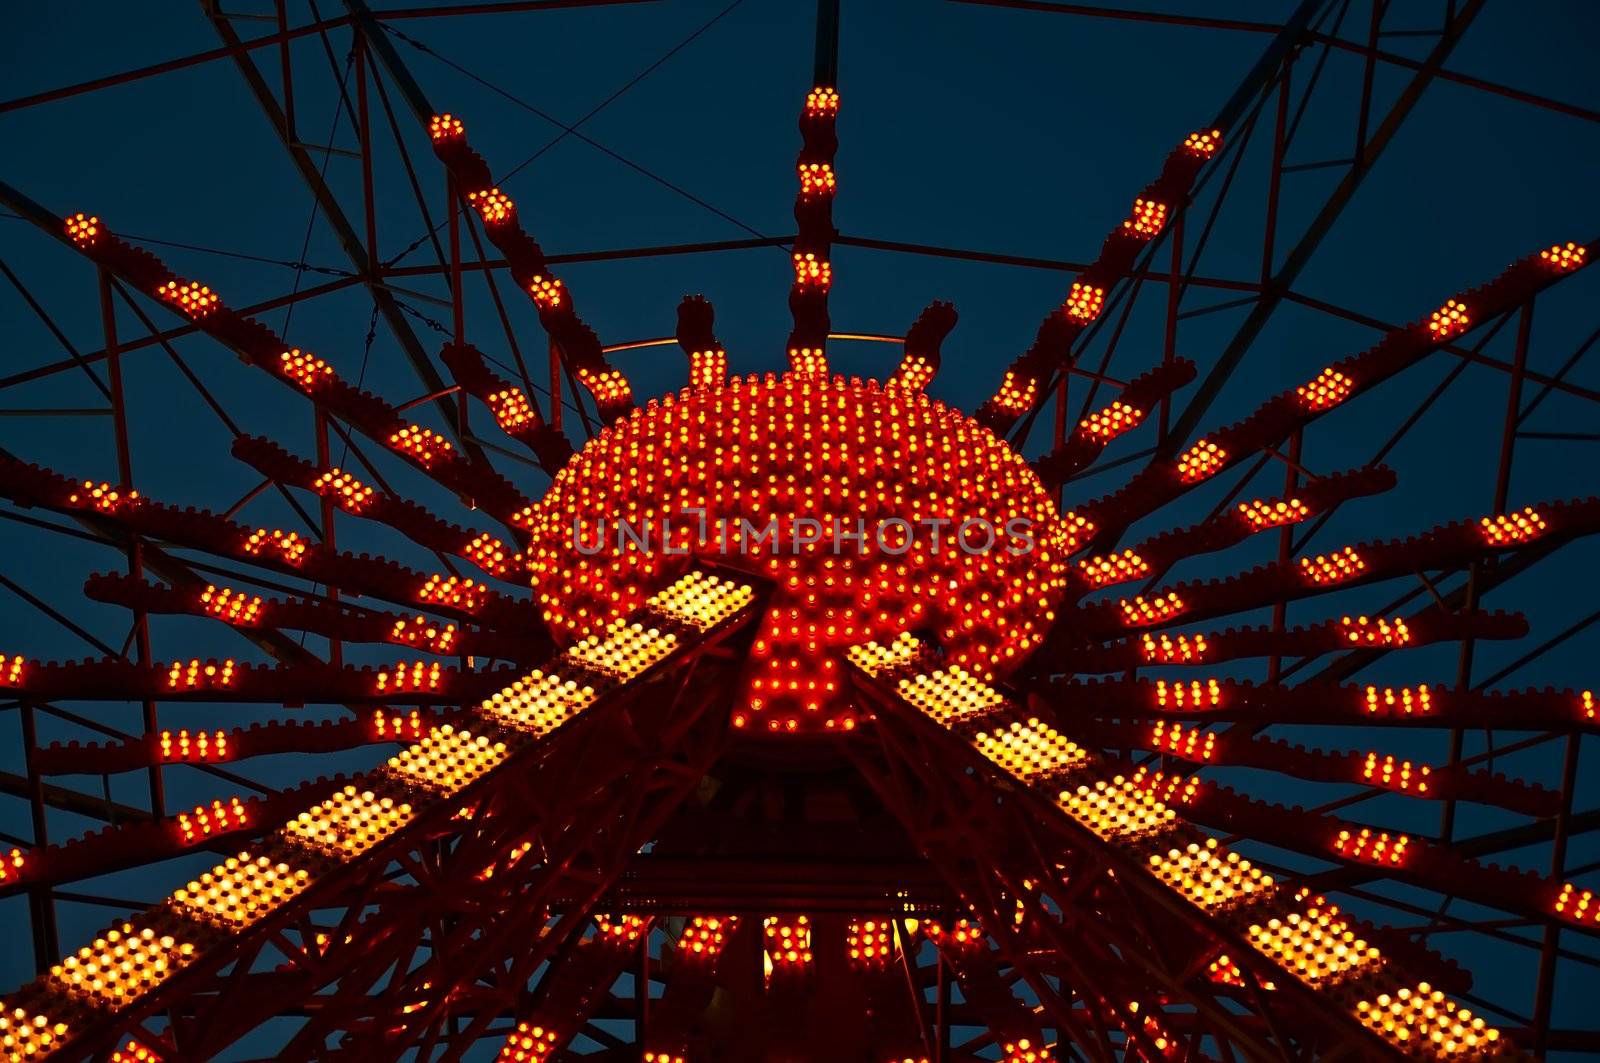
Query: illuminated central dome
[874, 509]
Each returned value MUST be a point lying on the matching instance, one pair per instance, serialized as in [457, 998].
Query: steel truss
[417, 950]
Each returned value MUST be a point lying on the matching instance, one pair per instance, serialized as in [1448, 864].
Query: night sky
[962, 126]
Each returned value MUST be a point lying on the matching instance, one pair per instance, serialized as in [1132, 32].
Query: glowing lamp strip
[230, 605]
[1142, 611]
[1168, 789]
[350, 493]
[206, 820]
[1398, 775]
[1372, 847]
[608, 386]
[494, 206]
[1032, 749]
[102, 496]
[453, 590]
[1508, 528]
[287, 545]
[11, 668]
[511, 409]
[196, 674]
[1085, 301]
[1336, 567]
[708, 368]
[1208, 876]
[196, 300]
[490, 554]
[822, 101]
[420, 631]
[1421, 1020]
[876, 659]
[1576, 905]
[1174, 649]
[1263, 514]
[121, 966]
[1111, 422]
[787, 941]
[1315, 945]
[199, 747]
[26, 1035]
[960, 935]
[1560, 257]
[1201, 461]
[1023, 1050]
[82, 229]
[702, 601]
[704, 935]
[304, 369]
[1016, 393]
[539, 702]
[817, 179]
[421, 444]
[1187, 743]
[949, 694]
[1107, 569]
[625, 651]
[811, 272]
[808, 361]
[547, 292]
[445, 127]
[134, 1052]
[1405, 701]
[11, 865]
[348, 823]
[241, 891]
[1362, 631]
[394, 727]
[1203, 142]
[1449, 320]
[1194, 695]
[1118, 808]
[530, 1042]
[621, 929]
[418, 675]
[448, 760]
[870, 942]
[1328, 390]
[1147, 218]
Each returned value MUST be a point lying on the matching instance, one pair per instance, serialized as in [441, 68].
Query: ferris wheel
[795, 712]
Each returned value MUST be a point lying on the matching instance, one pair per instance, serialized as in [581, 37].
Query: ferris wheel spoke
[514, 410]
[579, 347]
[1153, 557]
[1125, 826]
[418, 795]
[920, 362]
[1446, 546]
[1204, 648]
[1125, 413]
[280, 551]
[200, 747]
[410, 519]
[1275, 420]
[1020, 392]
[423, 448]
[577, 867]
[813, 215]
[708, 359]
[343, 621]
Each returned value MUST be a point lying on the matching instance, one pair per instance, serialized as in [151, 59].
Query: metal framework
[684, 805]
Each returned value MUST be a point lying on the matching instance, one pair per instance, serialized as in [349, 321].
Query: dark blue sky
[988, 129]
